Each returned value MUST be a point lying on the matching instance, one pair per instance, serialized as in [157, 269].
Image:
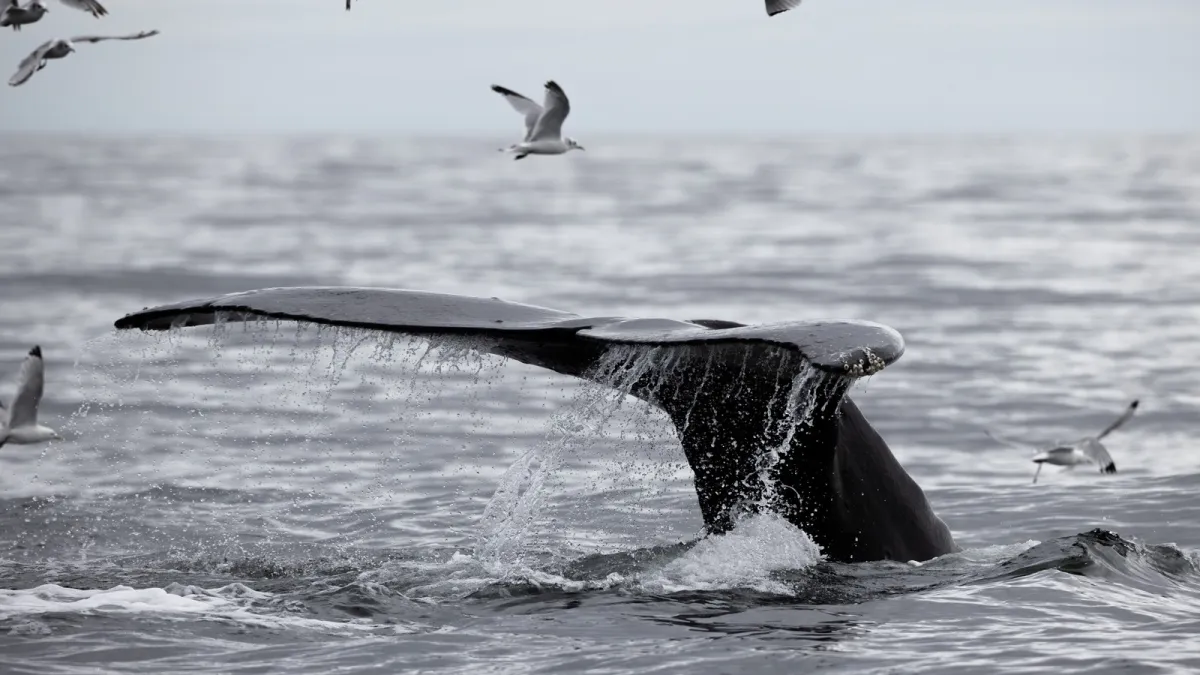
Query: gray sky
[424, 66]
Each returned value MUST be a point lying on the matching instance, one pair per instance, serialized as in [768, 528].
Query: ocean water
[270, 498]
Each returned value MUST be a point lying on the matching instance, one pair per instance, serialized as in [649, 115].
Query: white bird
[543, 126]
[1087, 450]
[19, 424]
[780, 6]
[57, 49]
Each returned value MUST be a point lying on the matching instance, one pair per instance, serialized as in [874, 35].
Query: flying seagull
[780, 6]
[19, 425]
[543, 125]
[16, 16]
[1087, 450]
[57, 49]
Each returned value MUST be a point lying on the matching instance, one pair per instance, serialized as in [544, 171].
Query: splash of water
[745, 557]
[801, 404]
[514, 509]
[516, 506]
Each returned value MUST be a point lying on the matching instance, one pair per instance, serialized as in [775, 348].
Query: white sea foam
[745, 557]
[233, 603]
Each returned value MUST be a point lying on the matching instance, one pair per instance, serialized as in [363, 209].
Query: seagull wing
[527, 107]
[1096, 450]
[549, 125]
[29, 391]
[95, 8]
[1125, 417]
[780, 6]
[29, 65]
[102, 38]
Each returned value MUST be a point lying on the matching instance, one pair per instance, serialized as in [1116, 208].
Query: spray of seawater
[513, 515]
[313, 395]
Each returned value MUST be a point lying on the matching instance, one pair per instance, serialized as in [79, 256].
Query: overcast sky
[424, 66]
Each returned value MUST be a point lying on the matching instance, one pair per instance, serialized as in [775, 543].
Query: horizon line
[665, 135]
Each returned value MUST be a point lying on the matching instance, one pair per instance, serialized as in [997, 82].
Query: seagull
[1087, 450]
[780, 6]
[16, 16]
[543, 126]
[19, 425]
[57, 49]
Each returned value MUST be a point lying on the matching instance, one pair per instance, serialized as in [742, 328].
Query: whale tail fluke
[530, 333]
[749, 403]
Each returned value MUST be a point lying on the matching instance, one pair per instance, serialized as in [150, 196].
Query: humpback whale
[761, 411]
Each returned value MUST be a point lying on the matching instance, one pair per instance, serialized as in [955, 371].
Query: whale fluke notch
[732, 392]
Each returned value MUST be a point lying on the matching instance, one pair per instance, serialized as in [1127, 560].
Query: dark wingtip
[36, 351]
[1110, 468]
[1135, 403]
[780, 6]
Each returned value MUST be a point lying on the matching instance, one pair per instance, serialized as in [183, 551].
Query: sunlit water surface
[267, 499]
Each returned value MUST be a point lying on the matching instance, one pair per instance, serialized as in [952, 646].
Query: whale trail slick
[761, 411]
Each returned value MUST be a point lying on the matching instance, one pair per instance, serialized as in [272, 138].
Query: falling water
[300, 377]
[515, 507]
[801, 403]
